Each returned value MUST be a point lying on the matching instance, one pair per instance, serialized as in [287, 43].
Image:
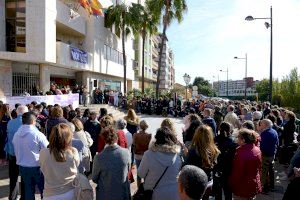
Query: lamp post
[268, 25]
[187, 80]
[246, 60]
[227, 81]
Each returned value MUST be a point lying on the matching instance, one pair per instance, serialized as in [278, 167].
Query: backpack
[83, 188]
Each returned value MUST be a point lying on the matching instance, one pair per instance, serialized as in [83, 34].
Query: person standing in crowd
[167, 123]
[4, 119]
[218, 117]
[132, 126]
[110, 169]
[191, 123]
[208, 120]
[86, 115]
[267, 109]
[192, 183]
[268, 146]
[56, 117]
[85, 95]
[231, 117]
[13, 169]
[92, 126]
[59, 164]
[203, 153]
[78, 113]
[288, 128]
[122, 141]
[132, 121]
[257, 115]
[121, 127]
[141, 142]
[27, 156]
[246, 169]
[161, 160]
[102, 113]
[87, 141]
[227, 147]
[105, 122]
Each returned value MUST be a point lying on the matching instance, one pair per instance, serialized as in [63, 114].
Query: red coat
[246, 171]
[122, 141]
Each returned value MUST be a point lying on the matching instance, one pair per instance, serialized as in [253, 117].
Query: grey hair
[193, 180]
[121, 124]
[268, 123]
[22, 109]
[231, 107]
[72, 126]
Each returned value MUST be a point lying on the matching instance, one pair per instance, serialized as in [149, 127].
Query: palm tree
[118, 16]
[172, 9]
[145, 24]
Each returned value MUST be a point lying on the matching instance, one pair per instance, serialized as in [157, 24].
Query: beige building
[39, 44]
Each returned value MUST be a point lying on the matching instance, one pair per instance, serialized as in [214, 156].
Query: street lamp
[227, 80]
[268, 25]
[187, 80]
[246, 60]
[218, 85]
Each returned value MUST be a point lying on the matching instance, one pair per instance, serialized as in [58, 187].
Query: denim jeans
[138, 162]
[13, 172]
[32, 176]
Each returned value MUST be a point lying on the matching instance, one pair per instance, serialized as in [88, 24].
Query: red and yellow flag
[93, 7]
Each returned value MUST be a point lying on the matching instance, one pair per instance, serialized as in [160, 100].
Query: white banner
[62, 100]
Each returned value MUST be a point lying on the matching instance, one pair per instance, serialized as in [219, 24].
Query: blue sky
[213, 32]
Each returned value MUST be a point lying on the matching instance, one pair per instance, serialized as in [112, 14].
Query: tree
[262, 88]
[203, 86]
[143, 23]
[118, 16]
[172, 9]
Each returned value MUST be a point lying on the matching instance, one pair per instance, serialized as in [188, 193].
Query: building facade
[236, 87]
[167, 73]
[39, 44]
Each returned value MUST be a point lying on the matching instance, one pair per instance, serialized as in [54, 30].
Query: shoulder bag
[143, 194]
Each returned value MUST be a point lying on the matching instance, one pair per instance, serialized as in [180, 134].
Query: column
[44, 78]
[3, 26]
[5, 79]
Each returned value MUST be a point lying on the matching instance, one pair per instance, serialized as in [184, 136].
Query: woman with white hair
[121, 126]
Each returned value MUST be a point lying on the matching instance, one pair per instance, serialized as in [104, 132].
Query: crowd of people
[227, 150]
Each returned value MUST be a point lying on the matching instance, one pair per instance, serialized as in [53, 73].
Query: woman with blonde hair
[59, 164]
[132, 121]
[203, 153]
[168, 124]
[87, 141]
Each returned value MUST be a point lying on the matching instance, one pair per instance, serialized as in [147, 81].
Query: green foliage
[286, 93]
[203, 86]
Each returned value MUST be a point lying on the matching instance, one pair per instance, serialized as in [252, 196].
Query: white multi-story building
[39, 44]
[235, 87]
[167, 73]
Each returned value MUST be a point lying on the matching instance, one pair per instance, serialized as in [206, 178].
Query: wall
[2, 26]
[40, 33]
[5, 79]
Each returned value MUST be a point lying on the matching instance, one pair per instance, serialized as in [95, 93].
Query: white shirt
[129, 139]
[28, 141]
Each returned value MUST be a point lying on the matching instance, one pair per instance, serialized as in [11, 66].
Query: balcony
[63, 57]
[154, 65]
[75, 27]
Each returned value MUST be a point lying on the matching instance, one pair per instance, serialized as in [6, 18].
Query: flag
[86, 5]
[96, 7]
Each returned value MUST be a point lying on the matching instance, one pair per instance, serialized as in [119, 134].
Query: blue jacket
[269, 142]
[12, 127]
[211, 122]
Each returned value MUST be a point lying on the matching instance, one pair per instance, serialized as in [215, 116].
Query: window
[15, 25]
[113, 55]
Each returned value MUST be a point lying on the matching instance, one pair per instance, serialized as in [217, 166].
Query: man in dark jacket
[208, 120]
[268, 146]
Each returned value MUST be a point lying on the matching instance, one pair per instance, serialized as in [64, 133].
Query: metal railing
[24, 81]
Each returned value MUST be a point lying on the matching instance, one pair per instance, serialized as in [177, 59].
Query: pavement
[154, 123]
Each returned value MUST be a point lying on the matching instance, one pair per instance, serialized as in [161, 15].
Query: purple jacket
[51, 122]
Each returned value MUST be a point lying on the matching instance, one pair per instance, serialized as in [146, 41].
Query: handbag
[83, 188]
[143, 194]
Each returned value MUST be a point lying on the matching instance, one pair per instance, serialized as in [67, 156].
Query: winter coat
[246, 171]
[93, 128]
[152, 166]
[110, 173]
